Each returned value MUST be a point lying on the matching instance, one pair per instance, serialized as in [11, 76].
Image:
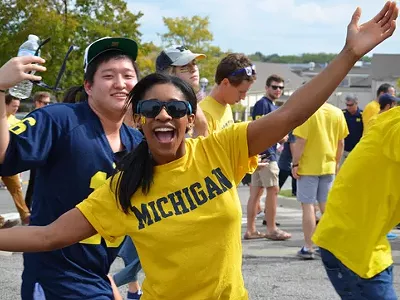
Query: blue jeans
[131, 260]
[350, 286]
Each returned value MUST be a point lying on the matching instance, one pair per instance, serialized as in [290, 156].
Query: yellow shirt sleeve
[104, 214]
[302, 130]
[234, 140]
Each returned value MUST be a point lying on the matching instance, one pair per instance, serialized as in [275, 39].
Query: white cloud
[269, 26]
[309, 12]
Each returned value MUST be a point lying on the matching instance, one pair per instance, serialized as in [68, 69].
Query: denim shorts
[131, 260]
[350, 286]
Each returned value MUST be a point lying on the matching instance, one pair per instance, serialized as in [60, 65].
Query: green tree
[66, 22]
[194, 33]
[299, 59]
[148, 53]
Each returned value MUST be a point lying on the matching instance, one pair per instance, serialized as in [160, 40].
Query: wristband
[3, 91]
[294, 166]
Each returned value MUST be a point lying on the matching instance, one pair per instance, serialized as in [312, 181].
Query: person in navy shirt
[266, 175]
[74, 148]
[285, 164]
[353, 116]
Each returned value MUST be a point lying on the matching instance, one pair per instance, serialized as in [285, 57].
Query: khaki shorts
[266, 176]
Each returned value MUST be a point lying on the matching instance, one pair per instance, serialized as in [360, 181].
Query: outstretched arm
[11, 73]
[71, 228]
[269, 129]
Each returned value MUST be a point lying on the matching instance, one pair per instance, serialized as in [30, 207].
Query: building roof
[264, 70]
[385, 67]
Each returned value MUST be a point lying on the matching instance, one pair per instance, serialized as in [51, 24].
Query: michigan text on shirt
[183, 201]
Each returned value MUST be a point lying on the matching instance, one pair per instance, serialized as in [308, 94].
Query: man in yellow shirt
[372, 108]
[317, 153]
[386, 102]
[363, 206]
[234, 76]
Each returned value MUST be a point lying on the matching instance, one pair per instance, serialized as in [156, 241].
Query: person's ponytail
[135, 171]
[75, 94]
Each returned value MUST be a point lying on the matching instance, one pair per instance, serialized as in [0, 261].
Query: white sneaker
[261, 215]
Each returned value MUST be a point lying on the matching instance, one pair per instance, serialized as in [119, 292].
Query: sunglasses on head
[175, 108]
[250, 70]
[275, 87]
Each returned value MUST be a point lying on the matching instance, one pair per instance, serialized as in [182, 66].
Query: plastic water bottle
[23, 89]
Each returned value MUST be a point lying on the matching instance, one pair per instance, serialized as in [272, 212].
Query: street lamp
[203, 83]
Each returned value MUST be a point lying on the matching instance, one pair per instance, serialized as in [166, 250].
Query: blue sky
[268, 26]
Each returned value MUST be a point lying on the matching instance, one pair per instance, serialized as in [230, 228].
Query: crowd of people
[150, 167]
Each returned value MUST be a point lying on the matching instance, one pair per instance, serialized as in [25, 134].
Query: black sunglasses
[175, 108]
[44, 102]
[42, 84]
[275, 87]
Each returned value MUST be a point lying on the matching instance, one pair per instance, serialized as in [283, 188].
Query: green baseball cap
[125, 45]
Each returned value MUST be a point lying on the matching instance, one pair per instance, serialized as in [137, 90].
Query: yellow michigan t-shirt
[364, 202]
[218, 116]
[370, 110]
[322, 131]
[187, 229]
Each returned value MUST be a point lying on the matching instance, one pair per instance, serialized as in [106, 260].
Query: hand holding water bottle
[17, 70]
[29, 48]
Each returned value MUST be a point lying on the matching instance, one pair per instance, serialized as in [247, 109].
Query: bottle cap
[33, 37]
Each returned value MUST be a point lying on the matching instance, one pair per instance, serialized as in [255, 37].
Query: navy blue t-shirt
[67, 146]
[285, 159]
[356, 128]
[262, 107]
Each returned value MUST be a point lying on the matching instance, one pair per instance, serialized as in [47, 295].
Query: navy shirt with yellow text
[356, 127]
[67, 146]
[262, 107]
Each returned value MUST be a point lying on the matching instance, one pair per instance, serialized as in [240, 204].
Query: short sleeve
[103, 213]
[31, 140]
[234, 142]
[344, 130]
[302, 130]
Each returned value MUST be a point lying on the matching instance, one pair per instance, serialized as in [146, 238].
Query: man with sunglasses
[372, 108]
[82, 142]
[41, 99]
[234, 76]
[354, 120]
[267, 173]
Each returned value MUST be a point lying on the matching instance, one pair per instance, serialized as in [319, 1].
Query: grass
[286, 193]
